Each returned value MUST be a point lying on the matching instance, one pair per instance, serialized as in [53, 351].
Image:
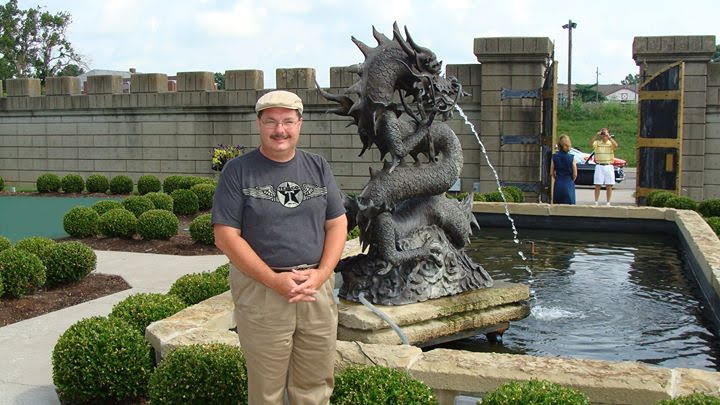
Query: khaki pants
[286, 345]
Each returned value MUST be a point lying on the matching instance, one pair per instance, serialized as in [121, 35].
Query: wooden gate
[548, 132]
[659, 141]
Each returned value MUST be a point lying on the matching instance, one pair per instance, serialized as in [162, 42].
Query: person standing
[279, 217]
[604, 150]
[564, 170]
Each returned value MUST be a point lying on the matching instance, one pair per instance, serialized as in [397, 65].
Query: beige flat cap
[279, 98]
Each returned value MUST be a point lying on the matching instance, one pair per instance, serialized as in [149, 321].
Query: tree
[33, 43]
[220, 80]
[630, 79]
[587, 93]
[716, 56]
[71, 70]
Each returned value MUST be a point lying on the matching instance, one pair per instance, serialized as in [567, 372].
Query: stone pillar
[510, 128]
[711, 187]
[342, 77]
[23, 87]
[653, 53]
[195, 81]
[62, 86]
[244, 80]
[295, 78]
[1, 88]
[148, 83]
[105, 84]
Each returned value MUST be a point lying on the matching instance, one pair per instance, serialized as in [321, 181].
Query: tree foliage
[630, 79]
[587, 93]
[716, 55]
[220, 80]
[33, 43]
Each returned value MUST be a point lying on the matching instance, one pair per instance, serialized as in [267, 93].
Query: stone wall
[712, 133]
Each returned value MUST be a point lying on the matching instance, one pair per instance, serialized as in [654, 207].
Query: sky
[156, 36]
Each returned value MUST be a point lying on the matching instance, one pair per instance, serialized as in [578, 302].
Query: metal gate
[659, 141]
[548, 132]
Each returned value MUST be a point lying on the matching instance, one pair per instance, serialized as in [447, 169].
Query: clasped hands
[298, 285]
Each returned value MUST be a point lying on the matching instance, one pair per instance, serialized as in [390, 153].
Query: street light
[569, 26]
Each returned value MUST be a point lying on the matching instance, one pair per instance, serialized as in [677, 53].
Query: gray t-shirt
[280, 208]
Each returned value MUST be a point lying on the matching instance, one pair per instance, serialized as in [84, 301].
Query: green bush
[513, 194]
[138, 204]
[479, 197]
[494, 196]
[202, 230]
[97, 183]
[681, 203]
[196, 287]
[148, 184]
[81, 222]
[36, 245]
[104, 206]
[157, 224]
[354, 233]
[2, 287]
[101, 360]
[223, 271]
[140, 310]
[4, 243]
[21, 272]
[69, 262]
[205, 193]
[379, 385]
[709, 208]
[188, 182]
[73, 183]
[121, 185]
[161, 201]
[456, 196]
[200, 374]
[714, 223]
[172, 183]
[2, 183]
[535, 392]
[651, 197]
[661, 198]
[118, 222]
[47, 183]
[185, 202]
[692, 399]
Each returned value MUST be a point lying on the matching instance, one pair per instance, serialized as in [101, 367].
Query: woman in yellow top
[604, 150]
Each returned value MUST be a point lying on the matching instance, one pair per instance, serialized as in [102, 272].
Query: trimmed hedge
[37, 245]
[148, 184]
[379, 385]
[97, 183]
[118, 222]
[138, 204]
[72, 183]
[692, 399]
[188, 182]
[354, 233]
[205, 193]
[81, 222]
[121, 185]
[223, 271]
[2, 183]
[200, 374]
[714, 223]
[709, 208]
[161, 201]
[158, 224]
[202, 230]
[660, 199]
[681, 203]
[535, 392]
[196, 287]
[5, 243]
[104, 206]
[140, 310]
[48, 183]
[172, 183]
[101, 360]
[495, 196]
[185, 202]
[69, 262]
[21, 272]
[481, 198]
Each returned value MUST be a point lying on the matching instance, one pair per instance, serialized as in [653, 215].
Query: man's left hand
[310, 286]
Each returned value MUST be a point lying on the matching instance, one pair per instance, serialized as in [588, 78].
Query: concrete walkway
[623, 193]
[26, 347]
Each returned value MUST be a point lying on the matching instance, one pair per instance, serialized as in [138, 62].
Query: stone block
[195, 81]
[513, 49]
[295, 78]
[244, 80]
[699, 48]
[695, 99]
[693, 147]
[23, 87]
[62, 86]
[148, 83]
[104, 84]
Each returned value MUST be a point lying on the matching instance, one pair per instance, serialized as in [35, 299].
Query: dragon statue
[415, 235]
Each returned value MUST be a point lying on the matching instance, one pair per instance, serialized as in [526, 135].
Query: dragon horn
[363, 47]
[380, 37]
[415, 46]
[397, 36]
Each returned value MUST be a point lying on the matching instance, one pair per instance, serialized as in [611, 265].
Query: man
[604, 150]
[279, 217]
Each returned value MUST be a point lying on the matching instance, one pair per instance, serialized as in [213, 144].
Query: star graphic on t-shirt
[290, 196]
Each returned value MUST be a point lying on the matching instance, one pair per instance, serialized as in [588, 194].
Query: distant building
[613, 92]
[99, 72]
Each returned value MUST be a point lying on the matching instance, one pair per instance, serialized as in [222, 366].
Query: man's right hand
[284, 283]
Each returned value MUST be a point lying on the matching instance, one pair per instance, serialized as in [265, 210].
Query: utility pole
[597, 85]
[569, 26]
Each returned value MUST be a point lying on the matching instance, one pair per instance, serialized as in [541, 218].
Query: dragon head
[424, 59]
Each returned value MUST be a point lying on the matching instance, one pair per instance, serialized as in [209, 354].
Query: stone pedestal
[437, 320]
[105, 84]
[195, 81]
[23, 87]
[148, 83]
[62, 86]
[244, 79]
[295, 78]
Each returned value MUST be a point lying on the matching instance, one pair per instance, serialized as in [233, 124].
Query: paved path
[623, 193]
[26, 347]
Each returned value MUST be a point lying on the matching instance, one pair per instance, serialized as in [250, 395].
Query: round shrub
[36, 245]
[456, 196]
[48, 183]
[172, 183]
[681, 203]
[379, 385]
[73, 183]
[223, 271]
[161, 201]
[121, 185]
[354, 233]
[201, 229]
[101, 360]
[157, 224]
[138, 204]
[205, 193]
[692, 399]
[4, 243]
[661, 198]
[148, 184]
[21, 272]
[2, 183]
[714, 223]
[118, 222]
[200, 374]
[185, 202]
[140, 310]
[650, 199]
[516, 195]
[479, 197]
[81, 222]
[69, 262]
[104, 206]
[535, 392]
[494, 196]
[189, 181]
[97, 183]
[709, 208]
[2, 287]
[196, 287]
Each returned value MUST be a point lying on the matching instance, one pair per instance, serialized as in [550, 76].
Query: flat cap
[279, 98]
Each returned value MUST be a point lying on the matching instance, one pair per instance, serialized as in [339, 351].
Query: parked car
[586, 167]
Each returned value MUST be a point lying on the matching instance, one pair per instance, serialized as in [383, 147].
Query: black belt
[291, 268]
[603, 164]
